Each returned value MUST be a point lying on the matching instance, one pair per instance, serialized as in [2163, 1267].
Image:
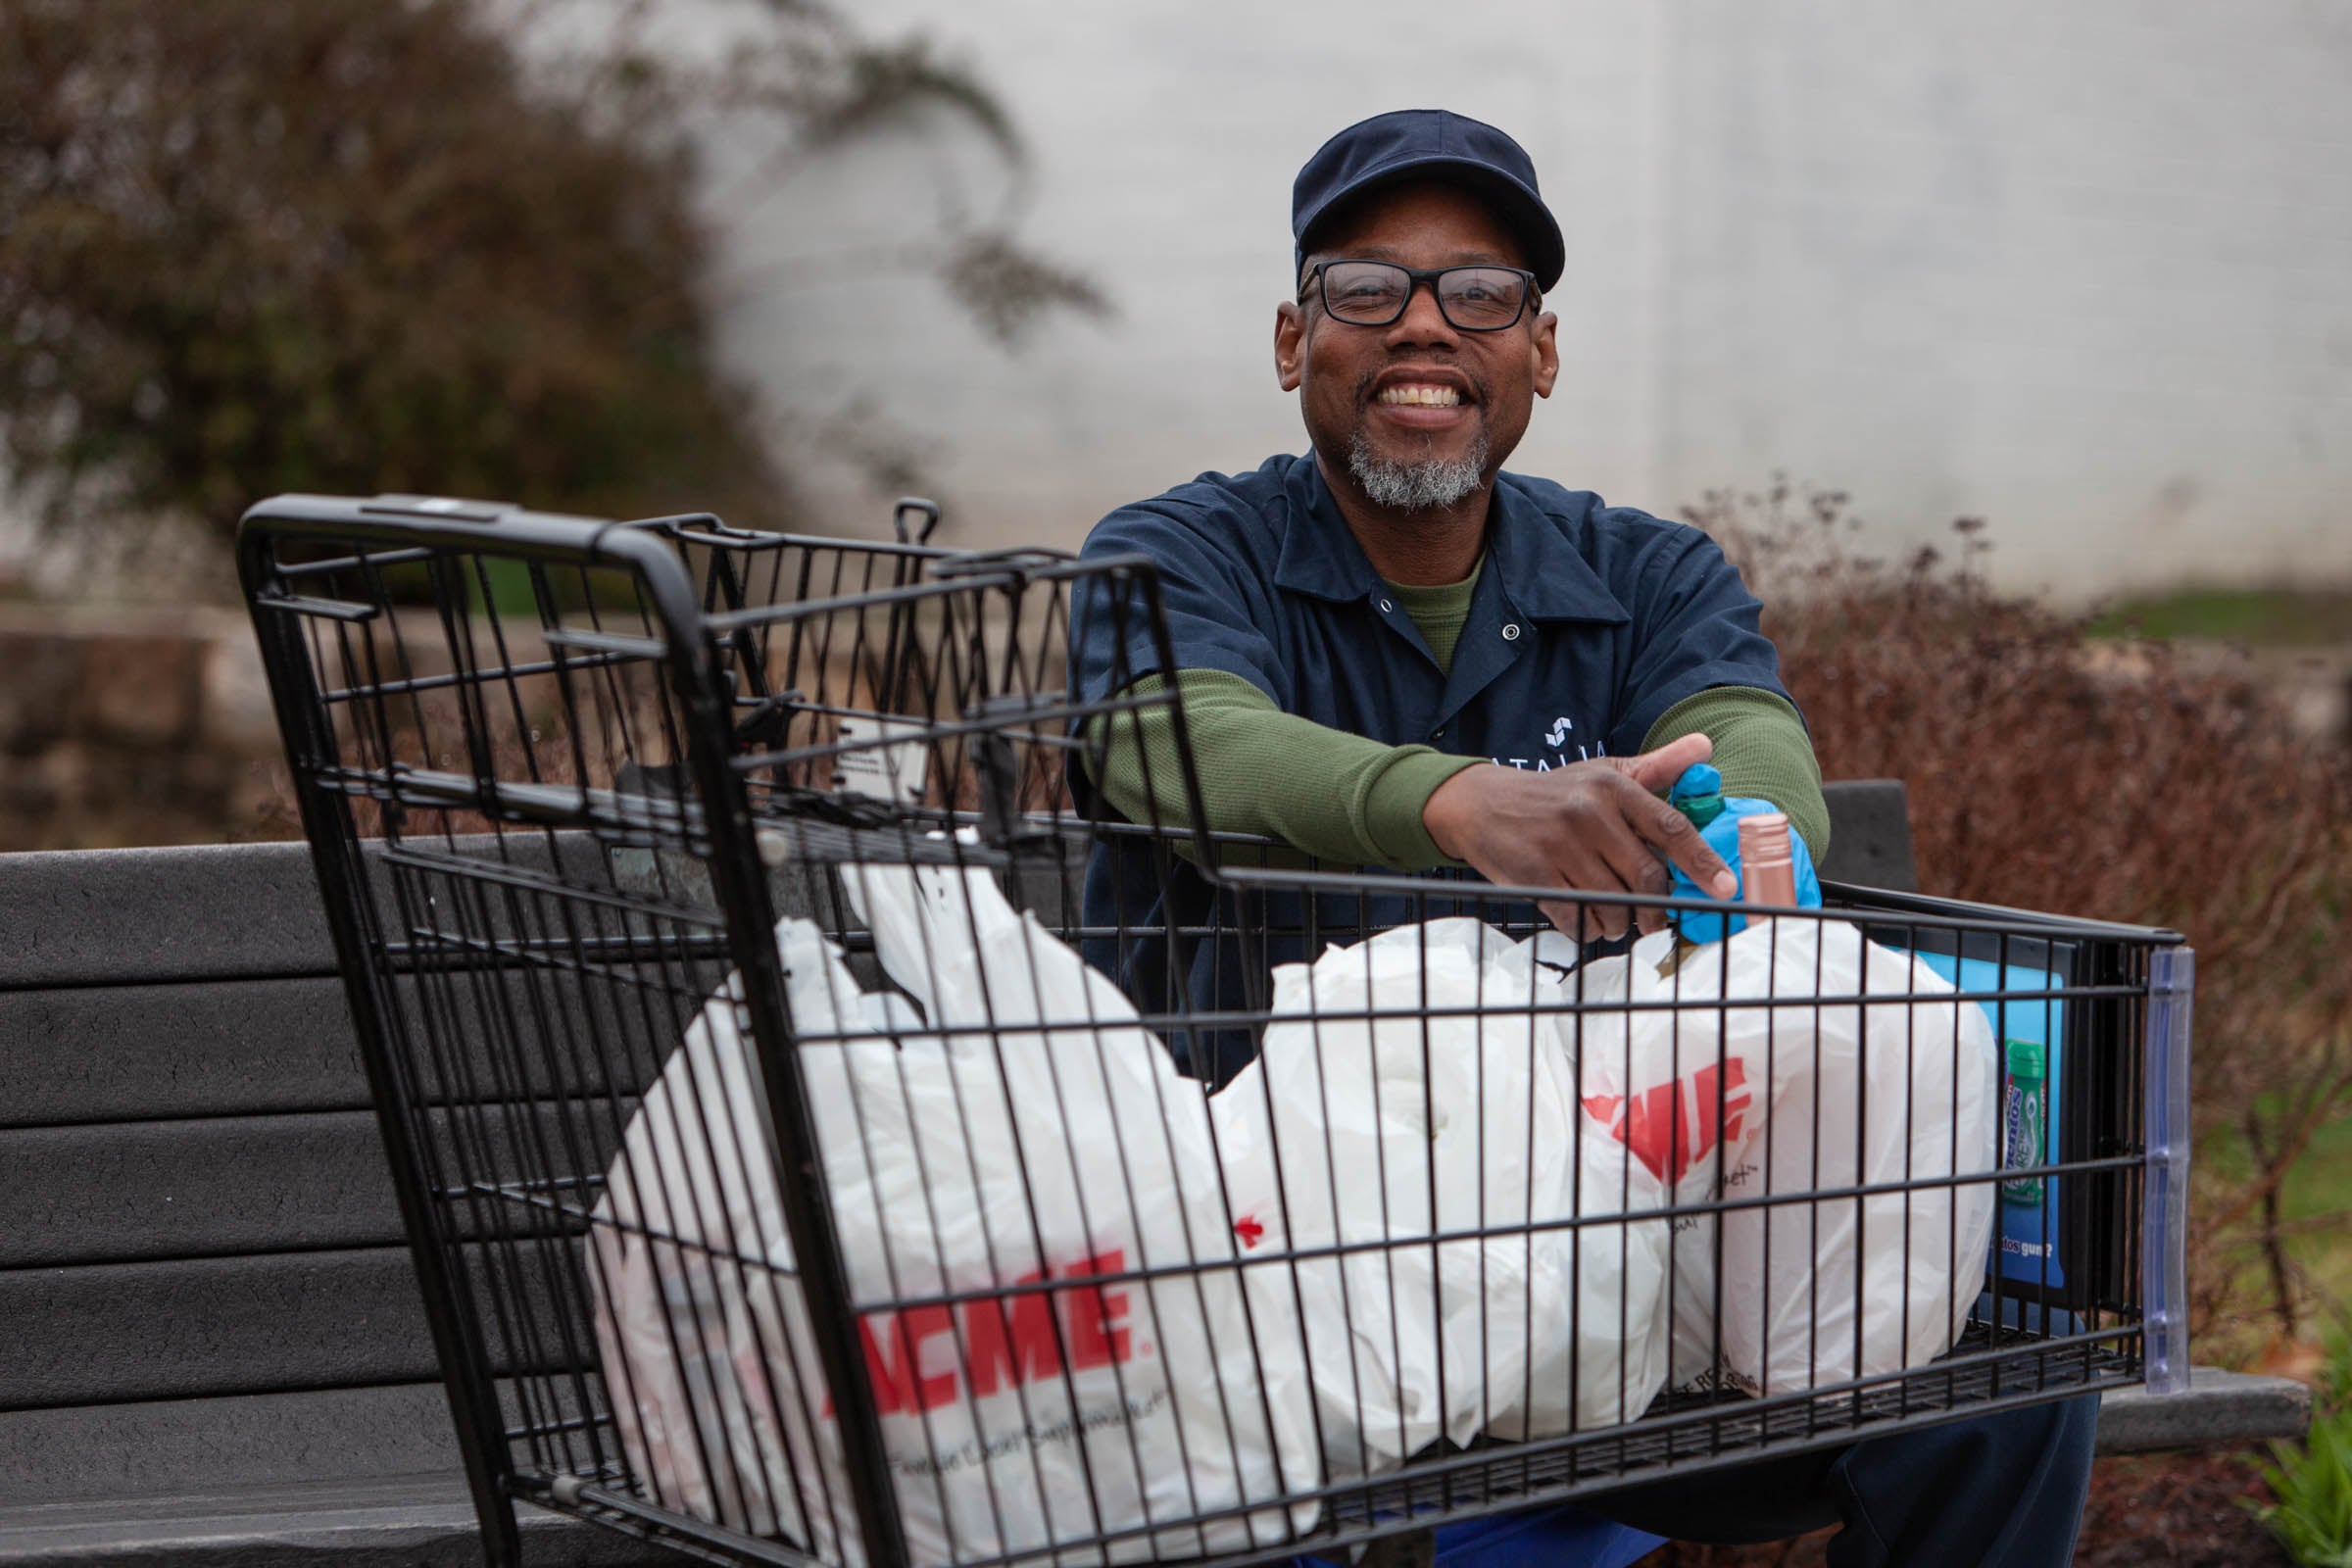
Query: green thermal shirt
[1355, 800]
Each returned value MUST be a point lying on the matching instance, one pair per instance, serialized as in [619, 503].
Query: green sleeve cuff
[1344, 798]
[1761, 749]
[1395, 800]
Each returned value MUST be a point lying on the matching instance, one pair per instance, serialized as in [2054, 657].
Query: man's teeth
[1428, 397]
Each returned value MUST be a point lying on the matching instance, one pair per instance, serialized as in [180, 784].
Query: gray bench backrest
[202, 1266]
[1869, 835]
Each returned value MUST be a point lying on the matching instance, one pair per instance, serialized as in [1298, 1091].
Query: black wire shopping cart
[775, 1045]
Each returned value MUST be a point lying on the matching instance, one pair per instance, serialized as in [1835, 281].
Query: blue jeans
[2004, 1490]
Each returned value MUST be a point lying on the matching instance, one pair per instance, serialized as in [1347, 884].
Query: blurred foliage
[378, 245]
[2312, 1483]
[2313, 1200]
[2048, 770]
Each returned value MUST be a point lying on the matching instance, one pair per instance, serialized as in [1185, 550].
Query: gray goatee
[1424, 486]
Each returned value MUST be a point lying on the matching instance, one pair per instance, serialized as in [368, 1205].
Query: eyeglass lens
[1475, 299]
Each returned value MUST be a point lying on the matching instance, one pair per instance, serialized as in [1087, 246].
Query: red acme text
[912, 1356]
[1672, 1126]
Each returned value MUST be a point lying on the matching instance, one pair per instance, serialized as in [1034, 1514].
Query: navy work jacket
[1588, 623]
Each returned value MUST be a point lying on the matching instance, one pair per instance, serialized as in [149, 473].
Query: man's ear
[1290, 344]
[1545, 348]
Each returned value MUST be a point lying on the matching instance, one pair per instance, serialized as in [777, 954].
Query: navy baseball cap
[1429, 144]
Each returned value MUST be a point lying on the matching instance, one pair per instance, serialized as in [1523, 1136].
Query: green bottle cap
[1698, 794]
[2027, 1058]
[1699, 809]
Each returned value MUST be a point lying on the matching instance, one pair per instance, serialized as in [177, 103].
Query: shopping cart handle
[1019, 561]
[920, 507]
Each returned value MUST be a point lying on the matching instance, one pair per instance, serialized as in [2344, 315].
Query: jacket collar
[1543, 573]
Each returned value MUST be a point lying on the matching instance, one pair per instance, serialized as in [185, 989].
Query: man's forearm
[1761, 749]
[1339, 797]
[1353, 801]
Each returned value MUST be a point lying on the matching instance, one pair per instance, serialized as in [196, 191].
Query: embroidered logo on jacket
[1555, 741]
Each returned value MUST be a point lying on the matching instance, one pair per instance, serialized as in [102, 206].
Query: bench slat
[230, 1325]
[135, 1191]
[195, 1189]
[193, 1048]
[104, 1053]
[413, 1521]
[166, 1447]
[207, 912]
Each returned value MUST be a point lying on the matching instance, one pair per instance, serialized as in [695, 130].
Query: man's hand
[1597, 827]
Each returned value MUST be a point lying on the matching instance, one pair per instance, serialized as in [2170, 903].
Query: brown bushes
[2050, 771]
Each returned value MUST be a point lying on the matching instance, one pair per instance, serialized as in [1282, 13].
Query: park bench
[216, 1353]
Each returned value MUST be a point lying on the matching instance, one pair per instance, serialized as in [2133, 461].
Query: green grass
[2272, 617]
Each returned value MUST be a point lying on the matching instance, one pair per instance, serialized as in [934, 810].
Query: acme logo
[1006, 1340]
[1673, 1125]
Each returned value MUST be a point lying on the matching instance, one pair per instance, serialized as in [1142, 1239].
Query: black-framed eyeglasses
[1483, 298]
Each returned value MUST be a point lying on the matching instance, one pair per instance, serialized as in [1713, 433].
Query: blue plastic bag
[1698, 794]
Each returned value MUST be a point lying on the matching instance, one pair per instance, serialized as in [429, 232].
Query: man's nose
[1422, 322]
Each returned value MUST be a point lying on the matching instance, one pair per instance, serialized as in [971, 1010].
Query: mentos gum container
[2023, 1139]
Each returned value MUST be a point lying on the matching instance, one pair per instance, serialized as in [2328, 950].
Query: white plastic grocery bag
[1609, 1279]
[1406, 1091]
[1750, 1101]
[966, 1153]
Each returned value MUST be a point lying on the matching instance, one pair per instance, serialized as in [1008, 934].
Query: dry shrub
[2050, 771]
[351, 246]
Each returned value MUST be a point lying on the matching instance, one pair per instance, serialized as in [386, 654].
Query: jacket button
[1386, 606]
[1510, 633]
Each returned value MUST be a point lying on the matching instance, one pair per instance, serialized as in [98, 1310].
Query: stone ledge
[2221, 1408]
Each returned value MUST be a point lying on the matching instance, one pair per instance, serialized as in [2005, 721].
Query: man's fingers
[1576, 861]
[1594, 922]
[1625, 860]
[1561, 866]
[1569, 917]
[1684, 846]
[1605, 863]
[1585, 922]
[1655, 881]
[1657, 771]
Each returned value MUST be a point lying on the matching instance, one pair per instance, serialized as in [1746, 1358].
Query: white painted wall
[1165, 137]
[2085, 269]
[2082, 268]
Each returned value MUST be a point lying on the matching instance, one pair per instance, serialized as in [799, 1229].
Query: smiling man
[1393, 653]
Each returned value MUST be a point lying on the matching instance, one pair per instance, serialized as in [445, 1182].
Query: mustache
[1363, 383]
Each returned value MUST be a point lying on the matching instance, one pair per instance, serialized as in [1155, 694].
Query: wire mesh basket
[798, 1086]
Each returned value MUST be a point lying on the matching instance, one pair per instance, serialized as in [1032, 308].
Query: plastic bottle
[2024, 1118]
